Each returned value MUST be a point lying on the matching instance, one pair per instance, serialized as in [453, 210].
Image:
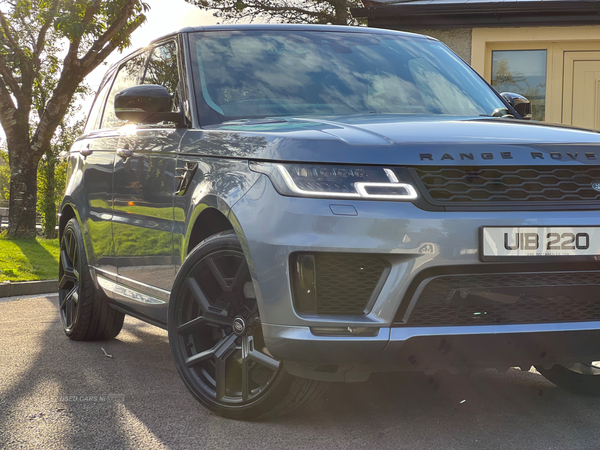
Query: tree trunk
[23, 195]
[342, 12]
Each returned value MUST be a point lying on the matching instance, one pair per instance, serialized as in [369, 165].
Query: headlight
[328, 181]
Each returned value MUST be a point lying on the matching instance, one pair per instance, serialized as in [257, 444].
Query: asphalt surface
[60, 394]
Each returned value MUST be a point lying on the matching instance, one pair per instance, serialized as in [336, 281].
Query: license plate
[540, 242]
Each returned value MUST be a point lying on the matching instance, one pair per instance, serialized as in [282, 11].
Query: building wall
[458, 39]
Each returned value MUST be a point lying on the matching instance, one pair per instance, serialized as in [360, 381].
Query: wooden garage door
[581, 94]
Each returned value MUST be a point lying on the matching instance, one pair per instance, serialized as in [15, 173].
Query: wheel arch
[207, 222]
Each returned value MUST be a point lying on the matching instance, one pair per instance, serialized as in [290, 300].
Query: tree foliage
[47, 48]
[336, 12]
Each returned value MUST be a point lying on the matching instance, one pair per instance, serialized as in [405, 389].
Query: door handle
[124, 153]
[87, 151]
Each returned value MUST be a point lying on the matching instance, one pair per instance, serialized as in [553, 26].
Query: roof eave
[482, 14]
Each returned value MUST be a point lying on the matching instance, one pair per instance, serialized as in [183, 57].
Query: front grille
[512, 185]
[528, 298]
[345, 283]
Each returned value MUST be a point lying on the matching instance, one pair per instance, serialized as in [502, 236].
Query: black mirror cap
[521, 105]
[146, 104]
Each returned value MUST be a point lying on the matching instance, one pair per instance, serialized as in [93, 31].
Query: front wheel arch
[208, 222]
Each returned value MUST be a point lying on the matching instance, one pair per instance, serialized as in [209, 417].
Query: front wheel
[580, 378]
[216, 337]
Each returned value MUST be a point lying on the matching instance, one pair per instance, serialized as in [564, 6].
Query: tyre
[580, 378]
[216, 338]
[84, 312]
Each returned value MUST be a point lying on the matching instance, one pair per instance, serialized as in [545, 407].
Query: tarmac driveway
[56, 393]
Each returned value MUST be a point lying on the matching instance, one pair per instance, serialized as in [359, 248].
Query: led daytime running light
[411, 193]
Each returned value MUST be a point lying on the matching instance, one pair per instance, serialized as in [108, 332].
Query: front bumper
[273, 227]
[432, 348]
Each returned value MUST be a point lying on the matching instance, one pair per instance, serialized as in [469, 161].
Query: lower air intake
[336, 283]
[521, 298]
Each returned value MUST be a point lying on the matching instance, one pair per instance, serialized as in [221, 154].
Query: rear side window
[128, 76]
[95, 115]
[164, 71]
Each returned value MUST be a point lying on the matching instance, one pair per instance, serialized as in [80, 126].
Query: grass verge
[28, 259]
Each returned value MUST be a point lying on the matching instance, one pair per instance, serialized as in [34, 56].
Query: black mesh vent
[438, 303]
[455, 185]
[345, 283]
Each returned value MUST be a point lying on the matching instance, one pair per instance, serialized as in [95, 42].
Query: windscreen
[255, 74]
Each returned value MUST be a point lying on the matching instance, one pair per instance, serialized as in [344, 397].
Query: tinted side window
[95, 115]
[128, 76]
[164, 71]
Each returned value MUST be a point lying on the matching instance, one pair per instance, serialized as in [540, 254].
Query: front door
[144, 188]
[581, 97]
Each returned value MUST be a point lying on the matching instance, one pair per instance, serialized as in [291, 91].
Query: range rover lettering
[299, 205]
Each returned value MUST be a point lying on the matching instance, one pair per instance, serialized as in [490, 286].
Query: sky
[164, 16]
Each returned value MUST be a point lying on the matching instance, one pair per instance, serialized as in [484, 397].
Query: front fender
[218, 184]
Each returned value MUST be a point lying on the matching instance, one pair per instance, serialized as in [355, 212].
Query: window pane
[522, 72]
[163, 70]
[95, 115]
[128, 76]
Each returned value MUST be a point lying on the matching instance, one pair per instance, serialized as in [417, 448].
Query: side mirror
[148, 103]
[520, 103]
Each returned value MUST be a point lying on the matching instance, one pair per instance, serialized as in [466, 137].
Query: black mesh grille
[437, 306]
[455, 185]
[345, 283]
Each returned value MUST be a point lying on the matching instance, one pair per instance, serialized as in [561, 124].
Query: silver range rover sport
[299, 205]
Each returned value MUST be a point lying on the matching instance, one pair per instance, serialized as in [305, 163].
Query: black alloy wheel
[217, 341]
[85, 313]
[219, 330]
[69, 286]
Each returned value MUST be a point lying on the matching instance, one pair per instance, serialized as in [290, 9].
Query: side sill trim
[114, 290]
[151, 291]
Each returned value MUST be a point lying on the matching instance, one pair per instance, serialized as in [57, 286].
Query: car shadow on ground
[50, 386]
